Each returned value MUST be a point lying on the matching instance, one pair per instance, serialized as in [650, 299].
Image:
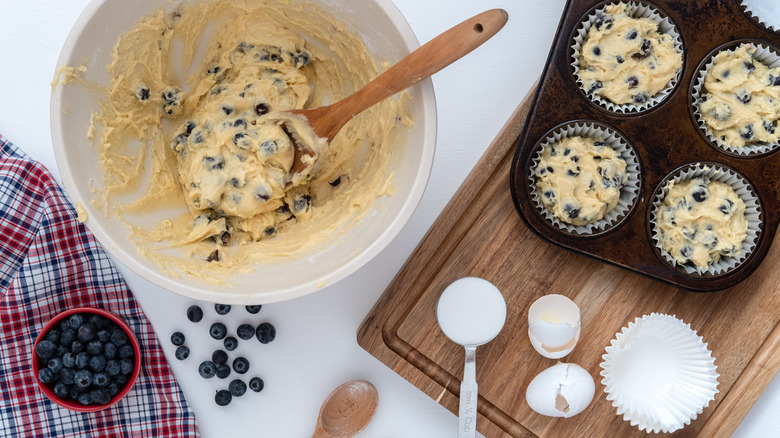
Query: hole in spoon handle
[467, 412]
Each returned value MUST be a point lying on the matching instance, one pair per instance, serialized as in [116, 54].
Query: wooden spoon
[347, 410]
[443, 50]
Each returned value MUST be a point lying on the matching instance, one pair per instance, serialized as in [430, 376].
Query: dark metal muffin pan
[664, 137]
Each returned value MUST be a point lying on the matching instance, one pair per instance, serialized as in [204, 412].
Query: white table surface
[316, 347]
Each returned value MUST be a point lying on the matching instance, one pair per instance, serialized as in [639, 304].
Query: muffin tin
[666, 138]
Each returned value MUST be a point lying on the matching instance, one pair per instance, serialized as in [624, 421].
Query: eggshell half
[554, 325]
[563, 390]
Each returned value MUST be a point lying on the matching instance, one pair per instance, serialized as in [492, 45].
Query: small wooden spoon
[443, 50]
[347, 410]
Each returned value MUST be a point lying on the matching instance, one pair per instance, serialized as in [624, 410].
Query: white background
[316, 347]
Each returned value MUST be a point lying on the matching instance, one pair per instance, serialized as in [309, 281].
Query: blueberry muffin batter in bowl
[584, 178]
[627, 58]
[164, 131]
[736, 99]
[705, 219]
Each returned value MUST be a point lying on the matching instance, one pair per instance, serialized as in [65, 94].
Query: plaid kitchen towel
[49, 262]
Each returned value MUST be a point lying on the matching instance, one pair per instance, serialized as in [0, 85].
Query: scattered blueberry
[222, 309]
[194, 313]
[256, 384]
[177, 338]
[231, 343]
[207, 369]
[223, 371]
[245, 331]
[237, 388]
[218, 330]
[253, 309]
[266, 332]
[240, 365]
[219, 357]
[182, 352]
[223, 397]
[45, 349]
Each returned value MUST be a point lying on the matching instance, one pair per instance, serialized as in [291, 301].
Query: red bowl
[72, 404]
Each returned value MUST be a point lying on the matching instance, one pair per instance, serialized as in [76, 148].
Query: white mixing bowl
[387, 35]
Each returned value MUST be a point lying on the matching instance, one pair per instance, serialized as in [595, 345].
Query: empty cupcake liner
[628, 194]
[763, 54]
[726, 175]
[659, 373]
[764, 12]
[637, 10]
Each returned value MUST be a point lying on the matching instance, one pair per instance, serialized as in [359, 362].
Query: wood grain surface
[481, 234]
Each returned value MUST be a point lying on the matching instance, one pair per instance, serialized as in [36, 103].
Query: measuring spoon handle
[467, 412]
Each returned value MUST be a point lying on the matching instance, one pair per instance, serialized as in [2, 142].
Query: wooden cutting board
[481, 234]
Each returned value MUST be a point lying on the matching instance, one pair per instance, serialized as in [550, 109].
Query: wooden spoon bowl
[347, 410]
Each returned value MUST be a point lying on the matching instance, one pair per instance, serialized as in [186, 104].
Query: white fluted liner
[766, 12]
[637, 10]
[659, 373]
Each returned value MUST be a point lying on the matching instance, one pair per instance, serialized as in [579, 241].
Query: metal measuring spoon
[471, 312]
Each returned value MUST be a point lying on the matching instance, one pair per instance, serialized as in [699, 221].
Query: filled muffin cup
[741, 186]
[764, 54]
[764, 13]
[636, 10]
[628, 192]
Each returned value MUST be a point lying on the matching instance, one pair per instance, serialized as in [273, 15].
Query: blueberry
[103, 336]
[182, 352]
[75, 321]
[595, 85]
[644, 50]
[219, 357]
[62, 350]
[45, 349]
[597, 51]
[54, 336]
[82, 360]
[632, 34]
[603, 20]
[99, 396]
[245, 331]
[85, 399]
[126, 351]
[227, 110]
[76, 347]
[774, 80]
[254, 309]
[142, 94]
[66, 376]
[55, 365]
[100, 379]
[231, 343]
[61, 390]
[87, 332]
[640, 98]
[240, 365]
[256, 384]
[99, 321]
[769, 126]
[747, 132]
[686, 252]
[237, 388]
[97, 363]
[45, 375]
[94, 347]
[223, 397]
[113, 368]
[113, 389]
[632, 82]
[119, 338]
[222, 309]
[619, 59]
[207, 369]
[82, 378]
[744, 97]
[726, 208]
[218, 330]
[110, 351]
[74, 392]
[194, 313]
[223, 371]
[266, 332]
[126, 366]
[699, 195]
[262, 108]
[67, 337]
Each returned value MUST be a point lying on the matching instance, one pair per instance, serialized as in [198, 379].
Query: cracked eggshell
[554, 325]
[563, 390]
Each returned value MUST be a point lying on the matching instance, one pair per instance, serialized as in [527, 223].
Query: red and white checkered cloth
[49, 262]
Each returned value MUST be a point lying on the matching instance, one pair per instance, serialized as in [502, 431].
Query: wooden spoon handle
[433, 56]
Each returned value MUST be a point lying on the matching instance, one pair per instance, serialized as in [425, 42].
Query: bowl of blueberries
[86, 359]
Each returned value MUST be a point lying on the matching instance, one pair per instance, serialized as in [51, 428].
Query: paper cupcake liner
[766, 56]
[628, 194]
[659, 373]
[637, 10]
[760, 11]
[726, 175]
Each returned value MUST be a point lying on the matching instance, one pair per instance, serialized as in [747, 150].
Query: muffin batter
[740, 102]
[189, 121]
[700, 221]
[579, 179]
[627, 60]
